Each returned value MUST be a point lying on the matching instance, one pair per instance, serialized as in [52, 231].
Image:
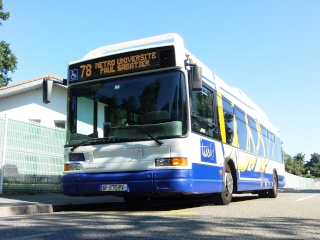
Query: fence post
[4, 146]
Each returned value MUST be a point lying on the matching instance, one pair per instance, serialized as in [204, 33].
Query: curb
[47, 208]
[26, 210]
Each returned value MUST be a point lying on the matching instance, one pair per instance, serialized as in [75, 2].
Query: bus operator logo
[208, 151]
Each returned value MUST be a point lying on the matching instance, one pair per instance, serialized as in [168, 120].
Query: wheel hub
[229, 183]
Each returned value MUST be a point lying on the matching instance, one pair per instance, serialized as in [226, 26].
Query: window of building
[60, 124]
[35, 121]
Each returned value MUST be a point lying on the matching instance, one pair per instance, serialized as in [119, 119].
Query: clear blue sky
[269, 49]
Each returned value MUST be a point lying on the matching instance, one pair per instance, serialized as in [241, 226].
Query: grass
[30, 188]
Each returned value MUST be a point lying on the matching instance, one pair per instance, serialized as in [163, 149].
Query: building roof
[25, 86]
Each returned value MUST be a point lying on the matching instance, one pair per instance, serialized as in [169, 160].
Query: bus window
[242, 129]
[85, 116]
[253, 128]
[271, 145]
[265, 141]
[228, 119]
[278, 150]
[202, 113]
[261, 146]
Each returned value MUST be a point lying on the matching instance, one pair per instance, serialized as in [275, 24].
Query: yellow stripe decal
[221, 118]
[235, 140]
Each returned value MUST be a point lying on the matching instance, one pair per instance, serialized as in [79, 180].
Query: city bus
[146, 119]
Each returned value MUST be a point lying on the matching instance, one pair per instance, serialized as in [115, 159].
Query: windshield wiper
[80, 144]
[149, 135]
[89, 140]
[106, 139]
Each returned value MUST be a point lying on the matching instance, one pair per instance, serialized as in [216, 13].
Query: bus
[147, 119]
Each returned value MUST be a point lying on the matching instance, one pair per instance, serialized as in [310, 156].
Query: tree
[289, 163]
[295, 165]
[314, 165]
[299, 164]
[8, 61]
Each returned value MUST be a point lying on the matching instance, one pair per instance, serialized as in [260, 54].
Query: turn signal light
[179, 161]
[66, 167]
[72, 166]
[161, 162]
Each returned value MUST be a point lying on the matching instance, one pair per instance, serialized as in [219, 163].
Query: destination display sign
[123, 63]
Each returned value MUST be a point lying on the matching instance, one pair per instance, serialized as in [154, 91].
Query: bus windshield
[128, 109]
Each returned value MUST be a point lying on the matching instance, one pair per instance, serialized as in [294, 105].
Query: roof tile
[50, 75]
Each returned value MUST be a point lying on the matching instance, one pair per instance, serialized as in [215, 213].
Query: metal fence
[31, 156]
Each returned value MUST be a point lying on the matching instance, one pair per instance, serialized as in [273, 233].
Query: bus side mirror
[196, 78]
[47, 89]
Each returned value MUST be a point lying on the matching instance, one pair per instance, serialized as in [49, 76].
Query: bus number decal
[208, 151]
[86, 70]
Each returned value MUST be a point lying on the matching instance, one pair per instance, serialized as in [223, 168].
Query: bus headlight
[161, 162]
[72, 166]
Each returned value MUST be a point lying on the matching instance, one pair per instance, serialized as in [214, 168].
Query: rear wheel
[225, 197]
[263, 194]
[272, 193]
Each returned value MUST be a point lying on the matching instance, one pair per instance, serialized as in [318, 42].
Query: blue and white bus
[147, 119]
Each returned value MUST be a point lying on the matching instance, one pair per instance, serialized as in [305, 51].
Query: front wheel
[225, 197]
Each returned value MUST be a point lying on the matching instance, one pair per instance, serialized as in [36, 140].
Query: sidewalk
[48, 203]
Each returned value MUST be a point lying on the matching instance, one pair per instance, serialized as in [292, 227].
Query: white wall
[29, 105]
[296, 182]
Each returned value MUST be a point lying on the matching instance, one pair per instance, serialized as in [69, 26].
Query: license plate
[114, 187]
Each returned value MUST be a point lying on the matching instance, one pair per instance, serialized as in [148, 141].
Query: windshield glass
[128, 109]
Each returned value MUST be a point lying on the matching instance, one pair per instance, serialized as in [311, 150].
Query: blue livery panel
[205, 176]
[202, 179]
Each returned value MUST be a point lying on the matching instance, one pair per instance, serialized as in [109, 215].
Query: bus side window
[253, 128]
[242, 129]
[228, 119]
[278, 150]
[202, 113]
[271, 145]
[264, 139]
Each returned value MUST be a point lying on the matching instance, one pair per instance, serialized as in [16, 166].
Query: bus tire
[272, 193]
[263, 194]
[225, 197]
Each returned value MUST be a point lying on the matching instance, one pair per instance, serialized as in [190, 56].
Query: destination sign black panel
[123, 63]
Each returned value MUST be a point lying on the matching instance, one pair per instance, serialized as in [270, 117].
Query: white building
[23, 101]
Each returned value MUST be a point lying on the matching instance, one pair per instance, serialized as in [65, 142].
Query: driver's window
[203, 113]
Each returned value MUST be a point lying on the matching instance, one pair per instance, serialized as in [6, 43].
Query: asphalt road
[293, 215]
